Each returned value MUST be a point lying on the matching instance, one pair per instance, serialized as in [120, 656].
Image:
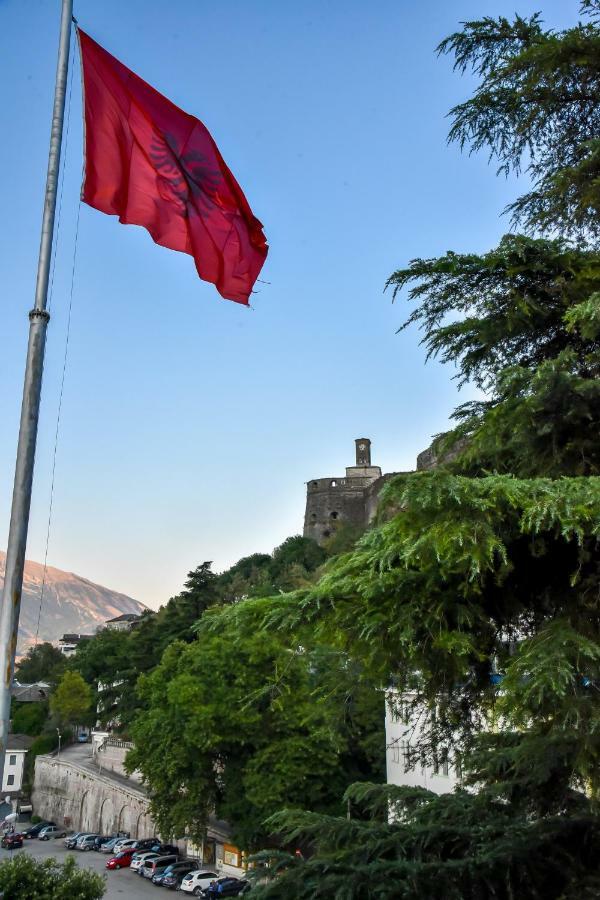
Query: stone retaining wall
[72, 795]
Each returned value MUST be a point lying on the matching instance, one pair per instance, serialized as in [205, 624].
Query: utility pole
[38, 321]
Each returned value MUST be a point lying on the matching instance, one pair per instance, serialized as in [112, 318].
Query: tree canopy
[71, 702]
[22, 876]
[488, 565]
[42, 662]
[249, 722]
[536, 108]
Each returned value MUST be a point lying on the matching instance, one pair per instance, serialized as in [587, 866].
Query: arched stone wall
[86, 822]
[106, 825]
[144, 827]
[91, 802]
[127, 820]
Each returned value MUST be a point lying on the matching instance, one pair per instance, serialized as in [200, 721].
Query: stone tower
[351, 499]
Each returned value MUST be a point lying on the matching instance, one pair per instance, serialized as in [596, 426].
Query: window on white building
[406, 756]
[395, 752]
[10, 779]
[12, 759]
[445, 768]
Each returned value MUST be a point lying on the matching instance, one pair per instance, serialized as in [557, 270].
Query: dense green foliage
[115, 659]
[522, 322]
[249, 722]
[22, 877]
[29, 718]
[43, 662]
[490, 564]
[71, 702]
[536, 108]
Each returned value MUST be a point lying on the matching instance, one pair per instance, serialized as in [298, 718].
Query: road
[119, 884]
[81, 755]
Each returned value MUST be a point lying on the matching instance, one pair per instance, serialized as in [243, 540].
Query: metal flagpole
[38, 319]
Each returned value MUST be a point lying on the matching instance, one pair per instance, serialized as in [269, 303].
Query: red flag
[151, 164]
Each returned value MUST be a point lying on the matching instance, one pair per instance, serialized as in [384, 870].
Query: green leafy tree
[43, 662]
[71, 702]
[241, 722]
[105, 663]
[22, 876]
[29, 718]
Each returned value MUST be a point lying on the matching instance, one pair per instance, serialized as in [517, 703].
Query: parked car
[139, 858]
[100, 839]
[172, 876]
[122, 860]
[34, 830]
[51, 831]
[152, 867]
[152, 843]
[227, 886]
[109, 845]
[86, 842]
[12, 841]
[169, 849]
[125, 844]
[71, 839]
[195, 882]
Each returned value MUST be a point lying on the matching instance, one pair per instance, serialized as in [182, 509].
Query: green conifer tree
[493, 562]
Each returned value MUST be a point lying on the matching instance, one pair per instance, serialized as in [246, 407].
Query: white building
[123, 623]
[402, 733]
[68, 643]
[14, 764]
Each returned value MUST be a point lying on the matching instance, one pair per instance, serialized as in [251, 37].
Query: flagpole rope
[66, 353]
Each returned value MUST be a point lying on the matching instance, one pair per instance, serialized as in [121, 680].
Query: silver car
[51, 831]
[86, 842]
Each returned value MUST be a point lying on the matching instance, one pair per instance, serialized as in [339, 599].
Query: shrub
[22, 876]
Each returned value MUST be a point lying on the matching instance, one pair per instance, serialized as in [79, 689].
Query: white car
[138, 859]
[196, 882]
[123, 845]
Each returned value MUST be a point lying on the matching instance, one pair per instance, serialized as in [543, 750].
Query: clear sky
[191, 424]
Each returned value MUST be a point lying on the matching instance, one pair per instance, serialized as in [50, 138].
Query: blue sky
[189, 423]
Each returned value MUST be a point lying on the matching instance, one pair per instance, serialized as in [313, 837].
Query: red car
[122, 860]
[12, 840]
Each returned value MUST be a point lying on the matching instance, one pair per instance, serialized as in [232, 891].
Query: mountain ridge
[71, 603]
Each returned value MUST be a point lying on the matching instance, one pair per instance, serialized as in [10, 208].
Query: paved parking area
[119, 884]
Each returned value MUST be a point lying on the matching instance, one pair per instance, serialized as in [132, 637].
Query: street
[119, 883]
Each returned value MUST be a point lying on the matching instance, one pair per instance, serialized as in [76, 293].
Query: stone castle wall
[82, 800]
[331, 502]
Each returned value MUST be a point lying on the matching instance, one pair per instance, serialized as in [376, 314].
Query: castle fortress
[349, 500]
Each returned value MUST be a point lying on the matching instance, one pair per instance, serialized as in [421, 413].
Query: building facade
[403, 731]
[123, 623]
[14, 764]
[68, 643]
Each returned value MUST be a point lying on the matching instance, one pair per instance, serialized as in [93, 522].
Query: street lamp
[59, 737]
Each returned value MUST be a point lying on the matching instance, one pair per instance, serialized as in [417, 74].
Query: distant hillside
[70, 603]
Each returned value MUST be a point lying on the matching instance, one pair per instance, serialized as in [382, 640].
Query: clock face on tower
[361, 447]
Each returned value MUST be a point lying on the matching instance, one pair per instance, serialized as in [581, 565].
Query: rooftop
[126, 617]
[19, 742]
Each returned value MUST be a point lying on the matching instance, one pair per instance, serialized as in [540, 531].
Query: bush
[22, 876]
[29, 718]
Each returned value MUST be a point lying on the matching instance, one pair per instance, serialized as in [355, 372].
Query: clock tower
[363, 452]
